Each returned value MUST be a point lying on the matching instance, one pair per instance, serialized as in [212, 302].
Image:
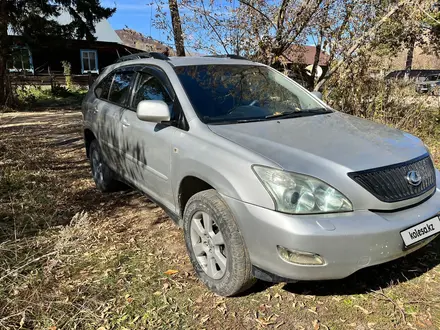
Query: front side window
[20, 60]
[120, 89]
[150, 88]
[89, 61]
[237, 93]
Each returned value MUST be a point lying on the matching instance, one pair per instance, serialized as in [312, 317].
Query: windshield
[238, 93]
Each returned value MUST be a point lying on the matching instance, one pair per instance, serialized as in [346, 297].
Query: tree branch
[289, 42]
[361, 40]
[213, 28]
[258, 11]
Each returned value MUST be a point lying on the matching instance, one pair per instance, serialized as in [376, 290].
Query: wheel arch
[89, 136]
[188, 187]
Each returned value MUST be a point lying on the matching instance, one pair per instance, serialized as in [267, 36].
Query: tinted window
[221, 93]
[150, 88]
[121, 87]
[103, 88]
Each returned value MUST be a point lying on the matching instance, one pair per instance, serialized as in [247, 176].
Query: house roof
[412, 74]
[103, 29]
[137, 40]
[302, 54]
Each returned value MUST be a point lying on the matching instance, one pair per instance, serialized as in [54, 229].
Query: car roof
[207, 60]
[185, 61]
[175, 61]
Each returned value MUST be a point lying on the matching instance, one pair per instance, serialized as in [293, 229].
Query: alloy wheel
[208, 245]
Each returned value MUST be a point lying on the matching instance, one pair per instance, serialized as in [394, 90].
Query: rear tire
[215, 245]
[103, 176]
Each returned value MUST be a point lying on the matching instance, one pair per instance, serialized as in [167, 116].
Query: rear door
[112, 96]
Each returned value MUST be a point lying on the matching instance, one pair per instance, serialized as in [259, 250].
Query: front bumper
[347, 241]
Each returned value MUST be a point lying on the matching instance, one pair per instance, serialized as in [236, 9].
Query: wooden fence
[51, 80]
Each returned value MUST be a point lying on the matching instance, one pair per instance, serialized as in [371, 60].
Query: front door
[147, 145]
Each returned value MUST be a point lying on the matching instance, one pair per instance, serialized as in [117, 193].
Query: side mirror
[317, 94]
[153, 110]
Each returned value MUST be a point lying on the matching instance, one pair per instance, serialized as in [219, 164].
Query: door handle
[95, 109]
[125, 123]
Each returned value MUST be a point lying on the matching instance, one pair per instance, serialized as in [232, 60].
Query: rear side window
[103, 89]
[150, 88]
[120, 89]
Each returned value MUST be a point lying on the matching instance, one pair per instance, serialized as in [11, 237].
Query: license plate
[421, 231]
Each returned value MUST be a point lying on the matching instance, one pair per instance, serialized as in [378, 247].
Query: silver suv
[266, 180]
[431, 84]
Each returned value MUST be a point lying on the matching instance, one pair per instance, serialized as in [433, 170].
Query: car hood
[314, 143]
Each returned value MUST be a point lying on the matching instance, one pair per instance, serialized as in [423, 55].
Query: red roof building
[298, 54]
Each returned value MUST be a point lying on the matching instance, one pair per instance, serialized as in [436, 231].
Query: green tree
[36, 18]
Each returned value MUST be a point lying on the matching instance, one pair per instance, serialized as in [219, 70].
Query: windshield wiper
[301, 113]
[285, 114]
[234, 121]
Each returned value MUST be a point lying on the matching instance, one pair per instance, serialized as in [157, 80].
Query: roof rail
[137, 56]
[231, 56]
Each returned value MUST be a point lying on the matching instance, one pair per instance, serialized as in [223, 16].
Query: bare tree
[265, 30]
[363, 40]
[177, 27]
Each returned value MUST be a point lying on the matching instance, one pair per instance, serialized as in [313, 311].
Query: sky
[139, 16]
[134, 14]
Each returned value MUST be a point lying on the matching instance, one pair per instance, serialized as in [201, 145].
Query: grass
[46, 97]
[73, 258]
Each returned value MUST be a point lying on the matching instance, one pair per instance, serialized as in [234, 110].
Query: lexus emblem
[414, 178]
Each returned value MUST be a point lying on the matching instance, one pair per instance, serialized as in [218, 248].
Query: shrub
[67, 67]
[391, 102]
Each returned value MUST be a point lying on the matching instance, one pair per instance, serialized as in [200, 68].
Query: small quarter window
[150, 88]
[89, 61]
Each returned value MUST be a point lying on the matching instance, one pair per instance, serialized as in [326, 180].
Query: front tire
[103, 176]
[215, 245]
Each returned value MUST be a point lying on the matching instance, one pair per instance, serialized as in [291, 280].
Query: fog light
[299, 257]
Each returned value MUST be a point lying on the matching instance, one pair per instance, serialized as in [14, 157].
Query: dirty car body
[315, 194]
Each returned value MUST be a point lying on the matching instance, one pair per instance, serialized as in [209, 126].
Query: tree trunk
[177, 27]
[5, 91]
[316, 62]
[410, 57]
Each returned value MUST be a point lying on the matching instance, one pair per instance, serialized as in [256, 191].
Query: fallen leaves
[367, 312]
[170, 272]
[106, 258]
[204, 319]
[315, 324]
[312, 310]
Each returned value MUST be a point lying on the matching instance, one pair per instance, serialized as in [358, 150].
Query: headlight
[301, 194]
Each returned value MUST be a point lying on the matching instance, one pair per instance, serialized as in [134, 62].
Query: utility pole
[177, 27]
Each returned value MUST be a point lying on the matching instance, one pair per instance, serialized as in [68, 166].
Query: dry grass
[71, 257]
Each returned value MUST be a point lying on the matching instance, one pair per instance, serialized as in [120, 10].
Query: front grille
[390, 184]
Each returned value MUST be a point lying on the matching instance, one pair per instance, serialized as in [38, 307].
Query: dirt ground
[73, 258]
